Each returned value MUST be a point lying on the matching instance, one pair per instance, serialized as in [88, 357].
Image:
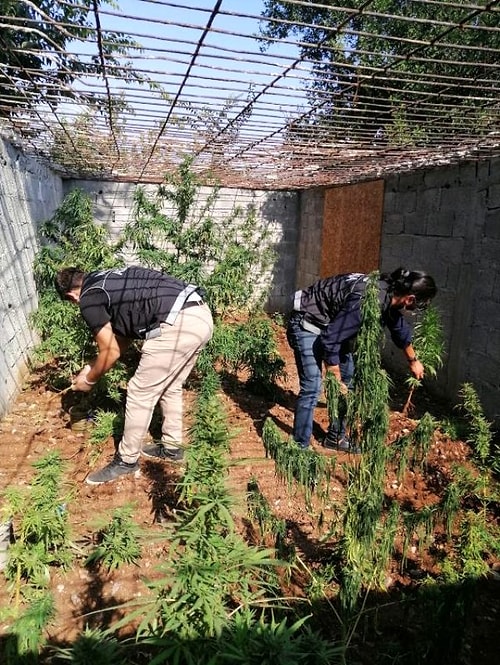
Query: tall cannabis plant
[172, 232]
[428, 342]
[70, 238]
[42, 541]
[211, 572]
[367, 421]
[249, 346]
[479, 429]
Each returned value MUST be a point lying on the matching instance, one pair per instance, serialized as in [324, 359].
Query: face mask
[421, 305]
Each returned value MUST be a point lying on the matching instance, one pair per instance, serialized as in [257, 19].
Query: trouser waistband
[301, 319]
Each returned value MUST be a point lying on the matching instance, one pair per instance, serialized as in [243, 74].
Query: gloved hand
[81, 383]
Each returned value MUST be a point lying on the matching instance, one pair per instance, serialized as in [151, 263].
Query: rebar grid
[350, 94]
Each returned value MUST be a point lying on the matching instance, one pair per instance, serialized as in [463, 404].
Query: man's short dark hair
[68, 279]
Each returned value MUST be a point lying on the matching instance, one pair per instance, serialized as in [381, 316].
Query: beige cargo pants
[166, 362]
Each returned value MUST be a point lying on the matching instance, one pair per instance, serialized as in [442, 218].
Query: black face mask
[421, 305]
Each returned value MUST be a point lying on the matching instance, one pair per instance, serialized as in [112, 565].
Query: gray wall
[311, 211]
[275, 211]
[29, 194]
[447, 221]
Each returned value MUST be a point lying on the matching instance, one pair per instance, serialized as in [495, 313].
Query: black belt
[192, 303]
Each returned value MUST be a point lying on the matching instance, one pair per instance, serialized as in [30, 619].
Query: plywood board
[352, 224]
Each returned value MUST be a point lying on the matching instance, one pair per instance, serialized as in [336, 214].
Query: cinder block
[449, 250]
[490, 252]
[467, 174]
[408, 202]
[411, 181]
[486, 310]
[444, 177]
[394, 223]
[493, 195]
[458, 198]
[492, 347]
[415, 223]
[442, 223]
[492, 224]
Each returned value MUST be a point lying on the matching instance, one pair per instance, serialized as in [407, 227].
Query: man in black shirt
[323, 326]
[124, 304]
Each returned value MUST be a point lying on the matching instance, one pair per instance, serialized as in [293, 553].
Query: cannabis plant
[455, 493]
[419, 524]
[422, 437]
[479, 434]
[26, 634]
[428, 342]
[105, 425]
[401, 453]
[92, 647]
[248, 347]
[70, 238]
[211, 574]
[473, 545]
[118, 542]
[171, 232]
[367, 421]
[293, 464]
[260, 511]
[42, 536]
[336, 401]
[274, 642]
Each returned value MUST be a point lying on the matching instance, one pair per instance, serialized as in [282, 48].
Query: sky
[230, 66]
[176, 27]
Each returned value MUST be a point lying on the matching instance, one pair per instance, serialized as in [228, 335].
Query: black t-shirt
[134, 300]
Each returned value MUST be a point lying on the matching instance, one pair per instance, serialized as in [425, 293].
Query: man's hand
[416, 368]
[81, 383]
[335, 370]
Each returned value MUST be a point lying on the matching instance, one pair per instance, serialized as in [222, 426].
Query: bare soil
[39, 422]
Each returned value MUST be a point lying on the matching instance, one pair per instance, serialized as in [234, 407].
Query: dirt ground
[37, 424]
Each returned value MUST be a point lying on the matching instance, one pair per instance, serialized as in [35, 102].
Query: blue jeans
[308, 352]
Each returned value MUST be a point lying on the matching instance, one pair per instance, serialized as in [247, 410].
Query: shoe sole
[136, 474]
[348, 452]
[342, 450]
[162, 459]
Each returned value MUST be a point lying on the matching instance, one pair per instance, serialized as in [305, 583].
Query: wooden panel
[352, 224]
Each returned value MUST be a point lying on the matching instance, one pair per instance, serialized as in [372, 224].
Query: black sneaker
[343, 445]
[159, 451]
[330, 441]
[116, 468]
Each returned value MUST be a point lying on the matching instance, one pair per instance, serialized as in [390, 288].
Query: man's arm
[110, 348]
[416, 367]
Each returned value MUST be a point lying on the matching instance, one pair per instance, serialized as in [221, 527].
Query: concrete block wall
[446, 221]
[275, 211]
[311, 211]
[29, 194]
